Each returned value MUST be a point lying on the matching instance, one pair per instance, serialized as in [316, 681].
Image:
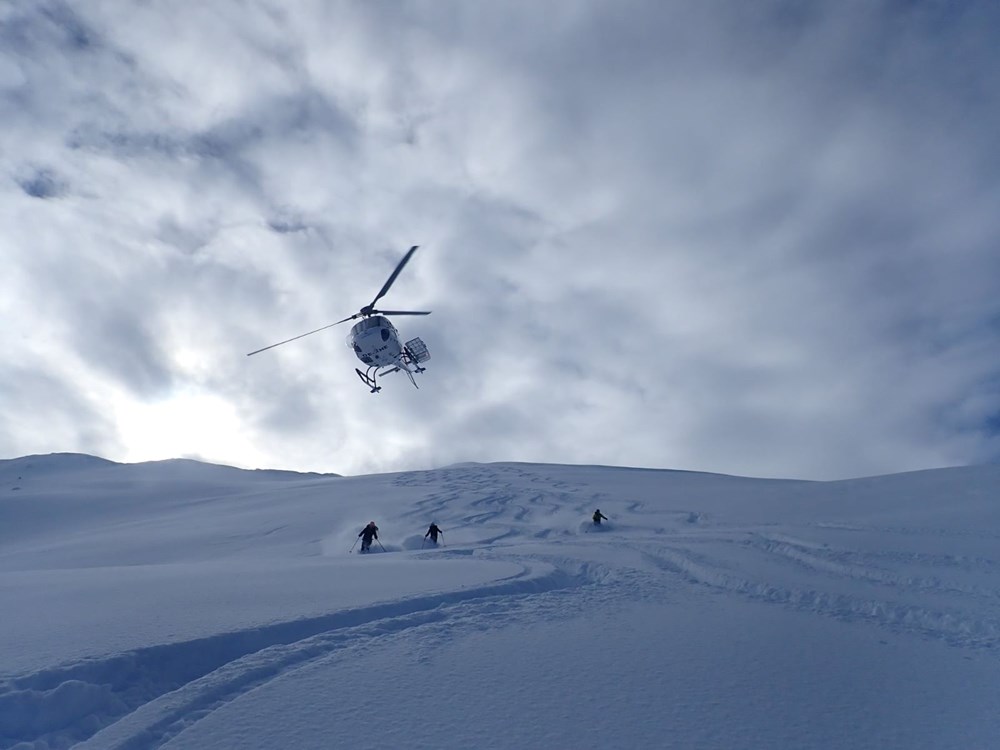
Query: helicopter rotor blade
[293, 338]
[365, 311]
[392, 278]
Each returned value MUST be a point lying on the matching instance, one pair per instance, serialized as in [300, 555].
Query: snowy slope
[183, 605]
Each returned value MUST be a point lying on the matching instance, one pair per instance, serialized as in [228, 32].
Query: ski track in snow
[954, 625]
[157, 720]
[141, 699]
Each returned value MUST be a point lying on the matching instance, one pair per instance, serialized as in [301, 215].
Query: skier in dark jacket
[598, 516]
[368, 533]
[433, 532]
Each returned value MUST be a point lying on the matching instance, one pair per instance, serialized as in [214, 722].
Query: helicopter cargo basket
[417, 350]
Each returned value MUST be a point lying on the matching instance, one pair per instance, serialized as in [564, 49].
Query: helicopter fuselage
[376, 342]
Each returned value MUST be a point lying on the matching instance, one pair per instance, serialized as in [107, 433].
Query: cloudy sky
[754, 238]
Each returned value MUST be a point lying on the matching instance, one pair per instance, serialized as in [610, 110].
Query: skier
[433, 532]
[598, 516]
[368, 533]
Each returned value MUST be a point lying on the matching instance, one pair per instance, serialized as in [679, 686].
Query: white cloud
[750, 239]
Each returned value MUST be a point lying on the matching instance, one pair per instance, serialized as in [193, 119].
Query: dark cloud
[42, 409]
[42, 183]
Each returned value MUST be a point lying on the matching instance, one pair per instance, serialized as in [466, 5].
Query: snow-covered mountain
[184, 605]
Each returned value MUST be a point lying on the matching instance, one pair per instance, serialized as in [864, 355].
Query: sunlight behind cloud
[188, 424]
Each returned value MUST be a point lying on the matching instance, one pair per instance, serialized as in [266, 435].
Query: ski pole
[353, 546]
[423, 543]
[380, 545]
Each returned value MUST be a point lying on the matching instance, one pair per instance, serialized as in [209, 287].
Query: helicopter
[375, 340]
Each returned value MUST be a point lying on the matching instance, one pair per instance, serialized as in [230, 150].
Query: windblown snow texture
[184, 605]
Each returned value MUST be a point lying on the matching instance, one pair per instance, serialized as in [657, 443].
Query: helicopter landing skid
[368, 379]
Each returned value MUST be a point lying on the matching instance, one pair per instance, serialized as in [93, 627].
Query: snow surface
[183, 605]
